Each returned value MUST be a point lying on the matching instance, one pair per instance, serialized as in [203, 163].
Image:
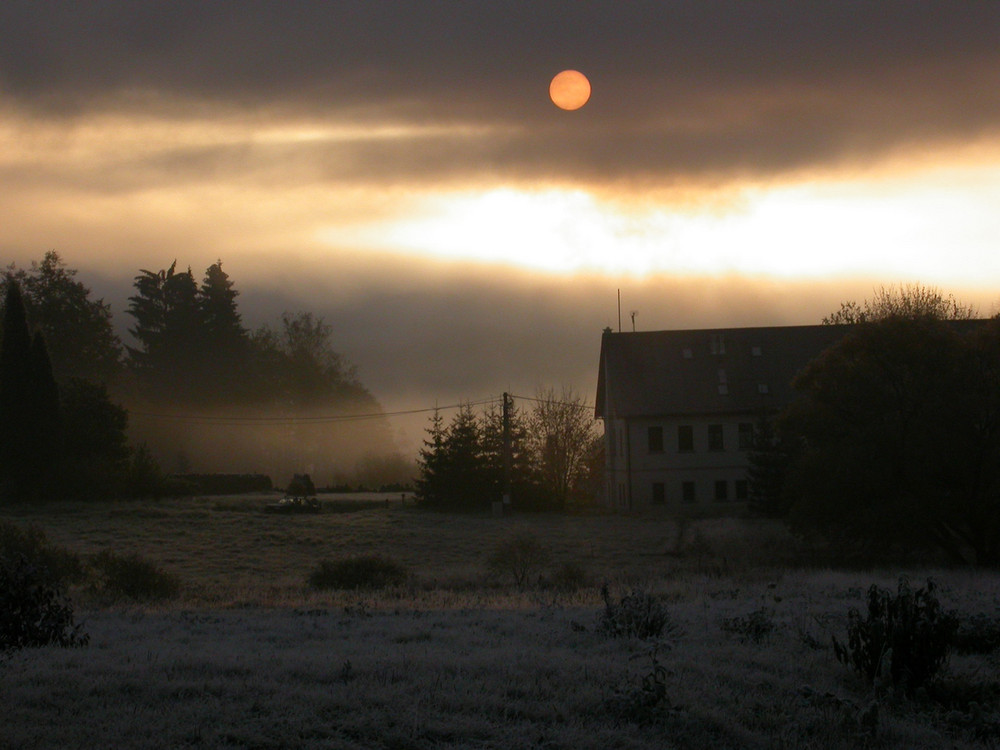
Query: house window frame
[721, 493]
[716, 438]
[659, 493]
[654, 439]
[689, 492]
[685, 438]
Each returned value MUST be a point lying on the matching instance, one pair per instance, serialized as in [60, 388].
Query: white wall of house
[694, 462]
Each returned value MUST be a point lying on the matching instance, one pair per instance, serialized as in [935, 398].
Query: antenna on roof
[633, 314]
[619, 311]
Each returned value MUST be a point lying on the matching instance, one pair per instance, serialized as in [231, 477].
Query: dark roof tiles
[706, 371]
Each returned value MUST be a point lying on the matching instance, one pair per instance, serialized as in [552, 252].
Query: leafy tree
[562, 430]
[910, 301]
[78, 330]
[771, 453]
[96, 455]
[900, 428]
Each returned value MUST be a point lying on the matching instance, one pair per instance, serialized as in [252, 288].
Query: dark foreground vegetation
[387, 626]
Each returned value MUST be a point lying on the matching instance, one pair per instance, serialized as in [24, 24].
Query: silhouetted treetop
[905, 301]
[78, 330]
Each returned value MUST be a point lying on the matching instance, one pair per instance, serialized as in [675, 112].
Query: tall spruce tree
[29, 403]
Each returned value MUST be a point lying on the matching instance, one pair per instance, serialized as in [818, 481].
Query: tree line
[192, 354]
[555, 456]
[891, 449]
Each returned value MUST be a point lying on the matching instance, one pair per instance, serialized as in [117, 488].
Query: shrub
[978, 634]
[521, 558]
[569, 577]
[903, 641]
[33, 611]
[755, 627]
[636, 615]
[56, 565]
[365, 572]
[132, 577]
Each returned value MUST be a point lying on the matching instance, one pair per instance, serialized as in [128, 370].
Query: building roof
[707, 371]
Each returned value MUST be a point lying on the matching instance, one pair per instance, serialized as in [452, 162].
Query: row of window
[686, 442]
[717, 346]
[689, 492]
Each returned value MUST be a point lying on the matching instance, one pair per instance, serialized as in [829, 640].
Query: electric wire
[289, 420]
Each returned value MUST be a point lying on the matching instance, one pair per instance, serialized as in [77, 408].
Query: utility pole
[507, 404]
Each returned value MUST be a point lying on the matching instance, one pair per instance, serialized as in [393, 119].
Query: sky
[399, 169]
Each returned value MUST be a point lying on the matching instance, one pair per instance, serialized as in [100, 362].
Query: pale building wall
[644, 470]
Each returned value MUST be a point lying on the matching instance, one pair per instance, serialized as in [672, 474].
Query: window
[746, 436]
[659, 493]
[762, 388]
[755, 351]
[687, 492]
[742, 492]
[611, 440]
[688, 354]
[655, 439]
[685, 438]
[723, 383]
[721, 490]
[718, 344]
[715, 441]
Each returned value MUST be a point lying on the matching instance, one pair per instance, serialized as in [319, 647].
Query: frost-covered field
[247, 657]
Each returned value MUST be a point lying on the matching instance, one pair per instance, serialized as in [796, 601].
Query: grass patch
[365, 572]
[131, 577]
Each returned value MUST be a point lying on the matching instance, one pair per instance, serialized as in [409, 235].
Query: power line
[287, 420]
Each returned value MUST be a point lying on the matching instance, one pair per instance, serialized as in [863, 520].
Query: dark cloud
[680, 88]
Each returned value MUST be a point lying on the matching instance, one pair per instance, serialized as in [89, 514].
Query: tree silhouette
[899, 428]
[78, 331]
[29, 411]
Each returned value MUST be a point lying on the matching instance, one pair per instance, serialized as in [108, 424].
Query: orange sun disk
[569, 90]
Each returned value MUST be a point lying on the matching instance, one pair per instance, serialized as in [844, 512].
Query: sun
[569, 90]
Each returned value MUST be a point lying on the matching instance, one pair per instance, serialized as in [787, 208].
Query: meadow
[458, 656]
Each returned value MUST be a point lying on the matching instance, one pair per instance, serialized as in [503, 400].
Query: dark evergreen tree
[225, 343]
[430, 463]
[168, 327]
[16, 400]
[457, 476]
[29, 411]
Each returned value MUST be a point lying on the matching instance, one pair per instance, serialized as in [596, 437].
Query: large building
[679, 408]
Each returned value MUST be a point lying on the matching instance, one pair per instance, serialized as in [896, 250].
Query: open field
[248, 656]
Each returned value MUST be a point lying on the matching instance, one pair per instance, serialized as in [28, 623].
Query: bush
[521, 558]
[978, 634]
[33, 611]
[366, 572]
[55, 565]
[904, 641]
[755, 627]
[569, 577]
[636, 615]
[132, 577]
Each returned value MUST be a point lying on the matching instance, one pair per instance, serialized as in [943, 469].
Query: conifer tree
[29, 403]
